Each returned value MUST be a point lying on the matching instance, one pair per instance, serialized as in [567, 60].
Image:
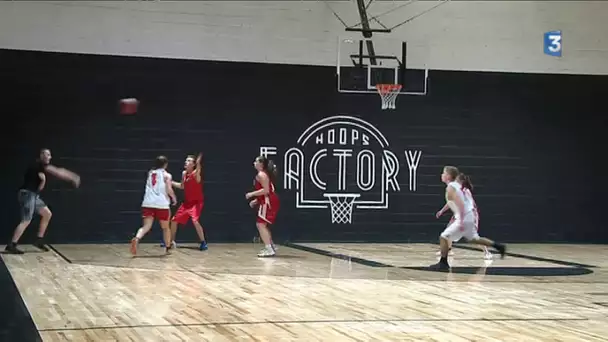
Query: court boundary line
[533, 258]
[61, 255]
[413, 279]
[321, 322]
[361, 261]
[370, 263]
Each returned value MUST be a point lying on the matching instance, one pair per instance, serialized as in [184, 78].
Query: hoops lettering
[345, 163]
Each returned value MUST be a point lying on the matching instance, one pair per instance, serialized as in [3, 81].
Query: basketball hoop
[388, 93]
[341, 207]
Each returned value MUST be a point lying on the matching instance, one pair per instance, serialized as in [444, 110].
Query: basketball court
[323, 291]
[313, 292]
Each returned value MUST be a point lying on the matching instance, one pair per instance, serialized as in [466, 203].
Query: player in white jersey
[464, 219]
[467, 188]
[158, 197]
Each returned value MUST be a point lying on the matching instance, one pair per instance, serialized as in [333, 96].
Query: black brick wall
[532, 144]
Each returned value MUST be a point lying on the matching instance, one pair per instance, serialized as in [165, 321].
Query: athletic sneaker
[266, 252]
[487, 255]
[40, 245]
[11, 248]
[173, 244]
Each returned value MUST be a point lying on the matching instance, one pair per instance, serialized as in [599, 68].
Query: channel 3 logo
[553, 43]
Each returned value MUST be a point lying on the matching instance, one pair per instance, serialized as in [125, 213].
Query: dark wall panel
[532, 144]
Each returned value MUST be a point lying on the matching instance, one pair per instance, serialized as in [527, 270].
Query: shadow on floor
[16, 324]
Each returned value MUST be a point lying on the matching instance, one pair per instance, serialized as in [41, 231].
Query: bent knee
[46, 213]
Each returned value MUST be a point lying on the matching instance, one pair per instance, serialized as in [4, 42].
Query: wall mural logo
[358, 169]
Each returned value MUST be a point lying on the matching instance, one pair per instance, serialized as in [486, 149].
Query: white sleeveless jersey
[468, 203]
[156, 195]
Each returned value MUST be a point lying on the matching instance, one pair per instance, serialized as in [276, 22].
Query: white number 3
[556, 44]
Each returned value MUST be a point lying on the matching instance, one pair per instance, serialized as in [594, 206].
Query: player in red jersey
[267, 201]
[192, 184]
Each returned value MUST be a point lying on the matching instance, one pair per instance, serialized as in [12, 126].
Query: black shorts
[30, 203]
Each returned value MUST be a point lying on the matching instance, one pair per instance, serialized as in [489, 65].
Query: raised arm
[199, 168]
[63, 174]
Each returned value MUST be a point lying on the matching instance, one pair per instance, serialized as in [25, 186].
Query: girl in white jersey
[464, 219]
[155, 204]
[467, 188]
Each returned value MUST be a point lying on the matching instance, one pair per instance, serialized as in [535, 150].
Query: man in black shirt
[30, 202]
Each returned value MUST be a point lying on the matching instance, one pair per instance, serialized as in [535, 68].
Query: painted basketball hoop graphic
[341, 207]
[343, 163]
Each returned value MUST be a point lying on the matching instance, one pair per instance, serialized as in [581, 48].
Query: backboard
[363, 63]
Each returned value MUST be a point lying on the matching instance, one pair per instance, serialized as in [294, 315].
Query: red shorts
[188, 211]
[267, 213]
[159, 214]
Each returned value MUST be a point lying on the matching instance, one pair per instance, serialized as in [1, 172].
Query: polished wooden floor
[314, 292]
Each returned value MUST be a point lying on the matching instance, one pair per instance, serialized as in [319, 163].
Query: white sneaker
[266, 252]
[488, 256]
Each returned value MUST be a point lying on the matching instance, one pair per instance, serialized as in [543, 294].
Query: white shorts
[455, 231]
[476, 220]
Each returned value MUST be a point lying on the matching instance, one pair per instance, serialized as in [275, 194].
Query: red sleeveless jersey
[193, 191]
[270, 198]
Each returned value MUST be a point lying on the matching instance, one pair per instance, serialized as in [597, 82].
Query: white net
[341, 207]
[388, 94]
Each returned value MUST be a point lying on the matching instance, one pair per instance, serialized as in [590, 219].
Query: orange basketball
[128, 106]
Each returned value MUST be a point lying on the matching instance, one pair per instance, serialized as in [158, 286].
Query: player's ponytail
[272, 170]
[269, 167]
[465, 181]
